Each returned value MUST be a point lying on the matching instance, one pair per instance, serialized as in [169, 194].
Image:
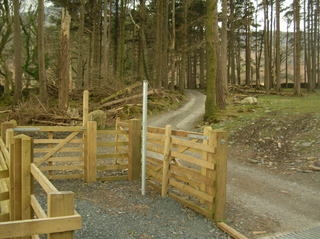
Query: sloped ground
[273, 174]
[286, 143]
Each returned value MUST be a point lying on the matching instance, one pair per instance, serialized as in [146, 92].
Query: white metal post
[144, 137]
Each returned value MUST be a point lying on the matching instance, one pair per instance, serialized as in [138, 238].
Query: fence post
[208, 140]
[61, 204]
[166, 161]
[4, 127]
[90, 164]
[134, 149]
[26, 181]
[85, 110]
[15, 179]
[221, 180]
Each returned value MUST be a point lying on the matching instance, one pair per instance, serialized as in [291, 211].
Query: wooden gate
[118, 152]
[58, 151]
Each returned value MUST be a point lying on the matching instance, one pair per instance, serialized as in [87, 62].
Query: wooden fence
[24, 215]
[118, 152]
[4, 183]
[189, 167]
[79, 152]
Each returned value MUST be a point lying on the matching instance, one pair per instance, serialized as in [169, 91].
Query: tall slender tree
[17, 52]
[222, 77]
[64, 60]
[266, 46]
[278, 32]
[41, 55]
[297, 47]
[80, 82]
[211, 25]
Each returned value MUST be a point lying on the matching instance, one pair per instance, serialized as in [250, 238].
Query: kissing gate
[189, 167]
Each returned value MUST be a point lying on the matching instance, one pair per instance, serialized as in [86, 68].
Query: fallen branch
[150, 92]
[49, 122]
[5, 111]
[121, 92]
[230, 231]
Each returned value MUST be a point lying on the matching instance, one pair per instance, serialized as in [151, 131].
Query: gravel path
[118, 210]
[184, 118]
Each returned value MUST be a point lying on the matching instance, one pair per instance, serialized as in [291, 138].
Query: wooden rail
[59, 221]
[190, 167]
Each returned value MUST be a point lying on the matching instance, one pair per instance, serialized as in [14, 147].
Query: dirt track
[259, 202]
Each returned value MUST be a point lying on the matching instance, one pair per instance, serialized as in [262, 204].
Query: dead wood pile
[125, 103]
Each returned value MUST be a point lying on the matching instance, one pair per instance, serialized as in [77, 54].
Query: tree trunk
[232, 53]
[143, 67]
[278, 32]
[121, 52]
[184, 51]
[80, 66]
[297, 47]
[164, 79]
[248, 45]
[266, 47]
[173, 57]
[64, 60]
[222, 84]
[211, 25]
[314, 46]
[106, 42]
[41, 54]
[201, 68]
[17, 53]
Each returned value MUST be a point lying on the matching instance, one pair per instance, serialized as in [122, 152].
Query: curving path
[185, 117]
[256, 197]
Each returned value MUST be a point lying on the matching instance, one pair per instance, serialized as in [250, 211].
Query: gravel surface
[118, 210]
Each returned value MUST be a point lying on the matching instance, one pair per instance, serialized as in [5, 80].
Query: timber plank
[193, 145]
[50, 128]
[110, 144]
[4, 217]
[62, 150]
[112, 167]
[156, 149]
[39, 226]
[65, 176]
[42, 179]
[4, 196]
[108, 132]
[113, 178]
[190, 190]
[57, 148]
[191, 175]
[61, 167]
[193, 160]
[4, 174]
[57, 141]
[193, 206]
[112, 155]
[37, 209]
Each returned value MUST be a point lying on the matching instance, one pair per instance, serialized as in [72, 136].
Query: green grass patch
[269, 106]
